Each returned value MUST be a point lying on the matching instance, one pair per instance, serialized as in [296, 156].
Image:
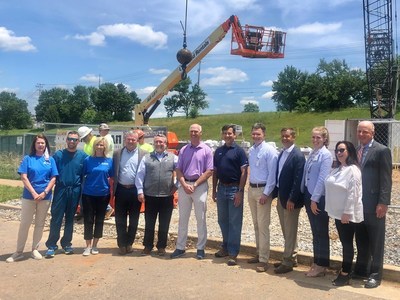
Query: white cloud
[10, 42]
[223, 76]
[159, 71]
[246, 100]
[316, 28]
[9, 90]
[229, 92]
[91, 78]
[267, 83]
[144, 35]
[268, 95]
[144, 92]
[94, 39]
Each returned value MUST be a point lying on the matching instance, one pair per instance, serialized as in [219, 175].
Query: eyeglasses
[341, 150]
[72, 139]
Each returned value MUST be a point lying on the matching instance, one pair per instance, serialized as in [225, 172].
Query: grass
[9, 163]
[9, 193]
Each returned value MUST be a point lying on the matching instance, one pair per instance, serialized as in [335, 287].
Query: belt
[127, 186]
[230, 184]
[257, 185]
[190, 180]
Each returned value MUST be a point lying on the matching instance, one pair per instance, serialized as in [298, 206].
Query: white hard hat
[84, 131]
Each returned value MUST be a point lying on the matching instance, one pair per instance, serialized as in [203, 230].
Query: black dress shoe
[282, 269]
[341, 280]
[373, 281]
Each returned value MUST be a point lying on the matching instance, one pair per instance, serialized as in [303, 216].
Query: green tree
[251, 107]
[14, 112]
[78, 103]
[190, 102]
[114, 103]
[53, 106]
[288, 88]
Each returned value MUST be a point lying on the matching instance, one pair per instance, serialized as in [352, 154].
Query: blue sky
[66, 43]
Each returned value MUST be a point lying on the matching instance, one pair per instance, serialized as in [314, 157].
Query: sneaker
[95, 250]
[50, 253]
[146, 251]
[109, 213]
[68, 250]
[36, 255]
[232, 261]
[222, 253]
[177, 253]
[86, 252]
[15, 257]
[200, 254]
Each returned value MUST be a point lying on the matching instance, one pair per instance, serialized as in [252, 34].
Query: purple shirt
[194, 161]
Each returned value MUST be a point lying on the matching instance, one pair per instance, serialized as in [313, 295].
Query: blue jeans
[230, 218]
[64, 203]
[320, 230]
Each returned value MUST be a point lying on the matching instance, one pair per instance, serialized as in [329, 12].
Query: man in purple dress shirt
[195, 166]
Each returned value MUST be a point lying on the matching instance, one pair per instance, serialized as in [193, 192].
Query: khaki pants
[289, 223]
[261, 215]
[28, 209]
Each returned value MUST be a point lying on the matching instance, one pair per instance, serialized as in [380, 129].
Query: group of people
[354, 190]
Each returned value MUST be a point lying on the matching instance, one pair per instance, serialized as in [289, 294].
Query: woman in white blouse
[343, 203]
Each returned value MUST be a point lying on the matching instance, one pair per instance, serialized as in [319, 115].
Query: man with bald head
[375, 161]
[195, 166]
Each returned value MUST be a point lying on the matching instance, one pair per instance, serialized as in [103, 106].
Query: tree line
[333, 86]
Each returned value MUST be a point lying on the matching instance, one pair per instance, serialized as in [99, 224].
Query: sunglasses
[340, 150]
[72, 140]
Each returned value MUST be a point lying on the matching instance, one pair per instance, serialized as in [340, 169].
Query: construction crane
[247, 41]
[380, 56]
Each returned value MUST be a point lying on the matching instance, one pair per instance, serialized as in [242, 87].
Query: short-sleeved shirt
[97, 170]
[39, 171]
[228, 161]
[194, 161]
[70, 166]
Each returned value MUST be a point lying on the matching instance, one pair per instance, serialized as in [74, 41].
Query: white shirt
[263, 159]
[282, 160]
[343, 193]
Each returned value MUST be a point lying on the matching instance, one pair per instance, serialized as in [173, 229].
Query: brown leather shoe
[221, 253]
[277, 264]
[122, 250]
[161, 252]
[146, 251]
[129, 249]
[253, 260]
[263, 267]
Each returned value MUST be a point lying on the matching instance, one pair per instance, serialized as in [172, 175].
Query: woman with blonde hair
[98, 169]
[38, 173]
[316, 170]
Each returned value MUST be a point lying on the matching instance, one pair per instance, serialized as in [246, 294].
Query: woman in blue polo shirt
[38, 173]
[98, 169]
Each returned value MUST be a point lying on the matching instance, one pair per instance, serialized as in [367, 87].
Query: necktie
[360, 154]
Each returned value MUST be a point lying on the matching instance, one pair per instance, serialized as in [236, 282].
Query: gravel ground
[392, 248]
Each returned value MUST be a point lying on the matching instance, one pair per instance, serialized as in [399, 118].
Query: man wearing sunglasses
[69, 163]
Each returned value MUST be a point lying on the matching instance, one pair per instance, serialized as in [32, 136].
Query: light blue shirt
[128, 166]
[282, 160]
[263, 160]
[316, 170]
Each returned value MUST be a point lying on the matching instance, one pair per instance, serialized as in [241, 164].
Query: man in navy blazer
[289, 174]
[376, 168]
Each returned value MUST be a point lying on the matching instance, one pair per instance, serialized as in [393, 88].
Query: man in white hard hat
[104, 131]
[86, 135]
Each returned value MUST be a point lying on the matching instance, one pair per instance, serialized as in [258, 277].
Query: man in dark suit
[290, 200]
[376, 168]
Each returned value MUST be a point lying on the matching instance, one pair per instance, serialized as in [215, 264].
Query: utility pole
[39, 87]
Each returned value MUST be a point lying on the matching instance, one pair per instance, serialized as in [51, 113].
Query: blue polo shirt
[229, 161]
[97, 170]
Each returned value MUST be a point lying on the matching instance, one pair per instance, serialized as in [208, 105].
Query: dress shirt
[263, 159]
[139, 180]
[128, 166]
[282, 159]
